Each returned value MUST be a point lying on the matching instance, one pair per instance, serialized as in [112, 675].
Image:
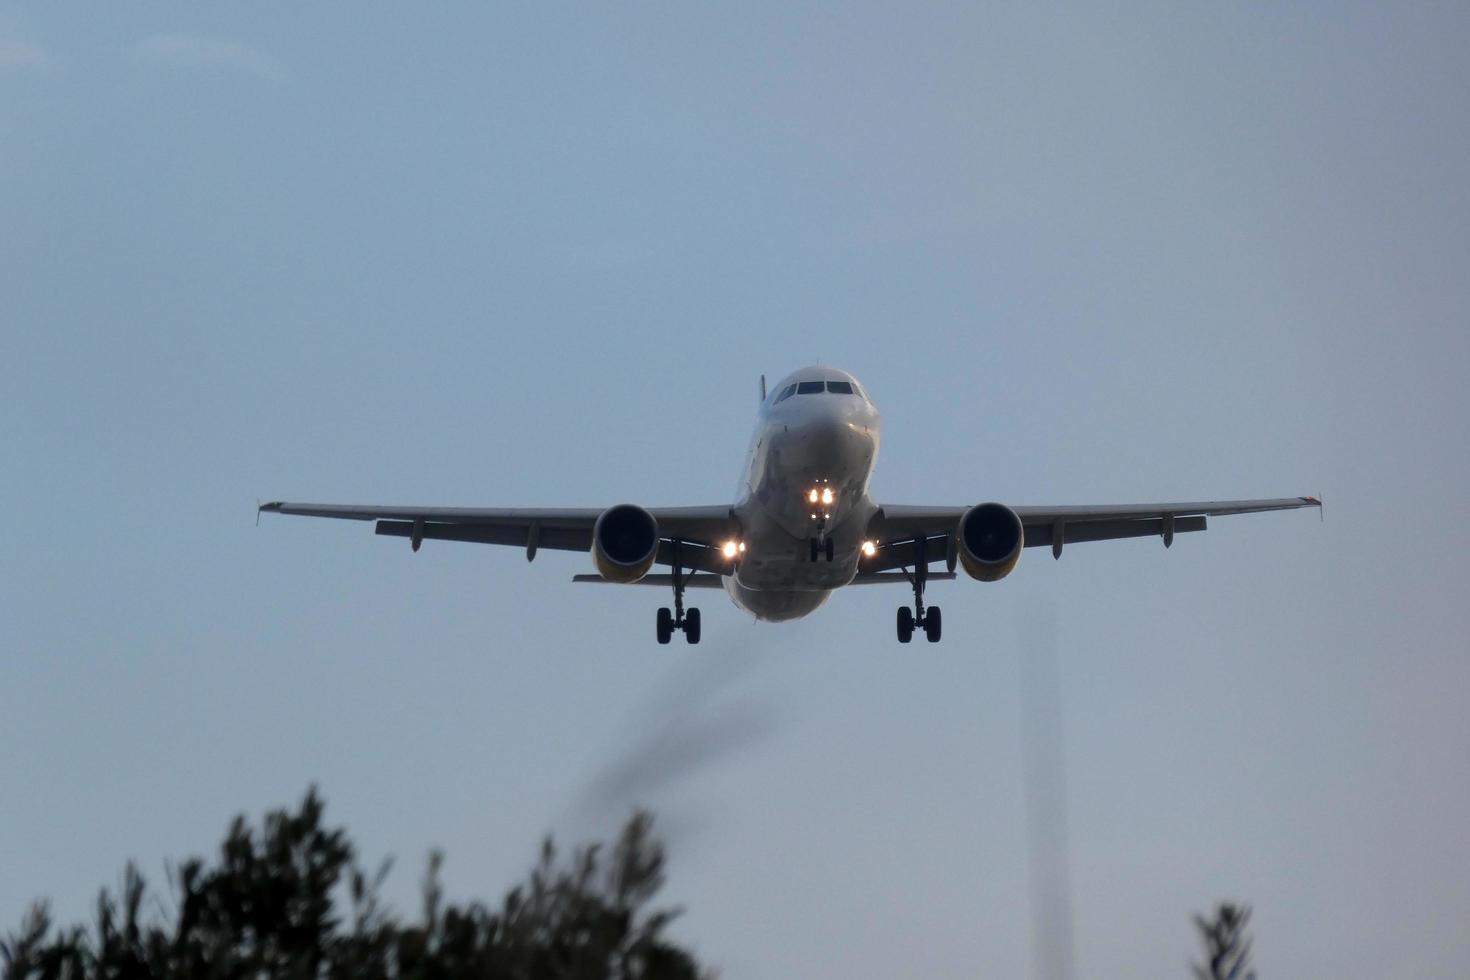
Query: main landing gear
[678, 619]
[931, 621]
[820, 547]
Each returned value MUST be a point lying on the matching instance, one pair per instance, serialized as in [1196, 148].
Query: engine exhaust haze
[695, 719]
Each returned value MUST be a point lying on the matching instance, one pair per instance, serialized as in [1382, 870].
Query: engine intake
[990, 540]
[624, 543]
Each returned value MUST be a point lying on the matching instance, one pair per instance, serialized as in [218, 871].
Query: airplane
[802, 524]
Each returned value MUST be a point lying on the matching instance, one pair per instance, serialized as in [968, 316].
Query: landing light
[812, 496]
[870, 549]
[826, 495]
[731, 548]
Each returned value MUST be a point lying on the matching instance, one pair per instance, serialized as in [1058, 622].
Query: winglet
[1317, 502]
[763, 389]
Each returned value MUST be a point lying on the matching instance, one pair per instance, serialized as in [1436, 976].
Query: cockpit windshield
[817, 388]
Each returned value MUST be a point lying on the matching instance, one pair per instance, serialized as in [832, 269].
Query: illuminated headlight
[732, 548]
[870, 549]
[826, 495]
[812, 496]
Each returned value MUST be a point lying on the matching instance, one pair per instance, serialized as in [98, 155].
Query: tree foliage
[1227, 947]
[289, 900]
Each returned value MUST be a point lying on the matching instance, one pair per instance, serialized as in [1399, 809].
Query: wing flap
[703, 580]
[1038, 535]
[896, 578]
[553, 538]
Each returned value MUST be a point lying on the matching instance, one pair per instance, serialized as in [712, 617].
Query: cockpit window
[790, 390]
[840, 387]
[808, 387]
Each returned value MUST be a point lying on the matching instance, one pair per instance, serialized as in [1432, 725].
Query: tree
[1227, 947]
[289, 900]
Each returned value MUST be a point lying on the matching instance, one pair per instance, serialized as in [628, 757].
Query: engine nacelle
[624, 543]
[990, 538]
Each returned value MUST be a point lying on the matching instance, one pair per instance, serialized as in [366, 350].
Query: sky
[540, 255]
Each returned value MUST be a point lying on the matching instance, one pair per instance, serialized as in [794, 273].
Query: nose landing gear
[678, 619]
[931, 621]
[821, 546]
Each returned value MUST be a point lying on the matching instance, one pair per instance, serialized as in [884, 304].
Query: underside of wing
[906, 535]
[698, 530]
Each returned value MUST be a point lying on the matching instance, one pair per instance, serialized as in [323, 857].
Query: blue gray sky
[526, 254]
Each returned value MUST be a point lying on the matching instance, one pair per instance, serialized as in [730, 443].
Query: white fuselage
[809, 443]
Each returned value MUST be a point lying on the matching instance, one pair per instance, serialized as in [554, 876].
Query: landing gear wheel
[691, 626]
[665, 625]
[905, 624]
[933, 624]
[812, 547]
[829, 549]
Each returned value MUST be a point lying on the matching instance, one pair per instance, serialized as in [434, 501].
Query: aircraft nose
[832, 444]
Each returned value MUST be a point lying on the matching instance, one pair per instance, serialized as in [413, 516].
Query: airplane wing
[903, 532]
[699, 530]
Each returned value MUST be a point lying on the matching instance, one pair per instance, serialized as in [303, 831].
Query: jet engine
[990, 538]
[624, 543]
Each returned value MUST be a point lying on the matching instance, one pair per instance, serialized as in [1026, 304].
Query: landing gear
[933, 624]
[678, 619]
[931, 621]
[822, 547]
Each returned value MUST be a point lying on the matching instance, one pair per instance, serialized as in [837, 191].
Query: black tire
[812, 547]
[905, 624]
[665, 625]
[933, 624]
[829, 549]
[691, 626]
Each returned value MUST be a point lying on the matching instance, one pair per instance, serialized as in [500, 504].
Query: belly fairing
[774, 606]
